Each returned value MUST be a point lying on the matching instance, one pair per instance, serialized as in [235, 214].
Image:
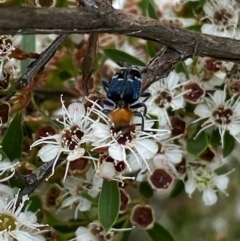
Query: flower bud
[4, 81]
[78, 166]
[195, 92]
[52, 197]
[125, 199]
[160, 179]
[234, 88]
[4, 112]
[45, 3]
[178, 126]
[6, 46]
[143, 216]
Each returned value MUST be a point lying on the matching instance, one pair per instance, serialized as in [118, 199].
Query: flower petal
[234, 129]
[6, 192]
[190, 185]
[219, 97]
[76, 111]
[48, 152]
[146, 148]
[177, 102]
[209, 197]
[84, 205]
[222, 182]
[133, 163]
[174, 156]
[203, 111]
[159, 161]
[208, 28]
[83, 234]
[69, 201]
[117, 152]
[99, 131]
[23, 235]
[75, 154]
[172, 80]
[208, 9]
[107, 170]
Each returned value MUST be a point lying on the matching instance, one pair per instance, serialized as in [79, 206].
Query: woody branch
[88, 20]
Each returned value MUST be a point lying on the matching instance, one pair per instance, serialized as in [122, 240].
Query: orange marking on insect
[121, 117]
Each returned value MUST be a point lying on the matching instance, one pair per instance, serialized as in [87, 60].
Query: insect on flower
[122, 93]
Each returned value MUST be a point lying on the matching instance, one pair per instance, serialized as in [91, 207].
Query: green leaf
[151, 11]
[202, 2]
[190, 10]
[178, 188]
[159, 233]
[43, 113]
[229, 144]
[91, 199]
[4, 155]
[117, 55]
[13, 137]
[145, 189]
[126, 234]
[35, 204]
[27, 44]
[143, 5]
[156, 122]
[59, 224]
[215, 139]
[181, 67]
[197, 144]
[196, 28]
[151, 48]
[108, 204]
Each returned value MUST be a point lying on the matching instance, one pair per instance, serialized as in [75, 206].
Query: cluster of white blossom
[219, 17]
[16, 222]
[6, 48]
[154, 152]
[205, 98]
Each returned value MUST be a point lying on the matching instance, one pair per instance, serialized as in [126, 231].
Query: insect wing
[115, 88]
[125, 85]
[129, 94]
[133, 86]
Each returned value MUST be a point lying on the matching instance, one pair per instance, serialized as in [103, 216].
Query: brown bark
[88, 20]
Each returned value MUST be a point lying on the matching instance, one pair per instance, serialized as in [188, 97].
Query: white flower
[76, 186]
[223, 115]
[6, 48]
[167, 8]
[209, 72]
[43, 41]
[110, 169]
[212, 72]
[185, 1]
[118, 4]
[6, 192]
[120, 142]
[206, 181]
[16, 224]
[70, 139]
[223, 17]
[6, 166]
[164, 95]
[168, 156]
[94, 232]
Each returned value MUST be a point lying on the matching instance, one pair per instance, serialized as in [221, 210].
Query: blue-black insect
[122, 93]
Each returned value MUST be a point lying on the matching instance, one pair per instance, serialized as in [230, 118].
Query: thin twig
[37, 65]
[33, 180]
